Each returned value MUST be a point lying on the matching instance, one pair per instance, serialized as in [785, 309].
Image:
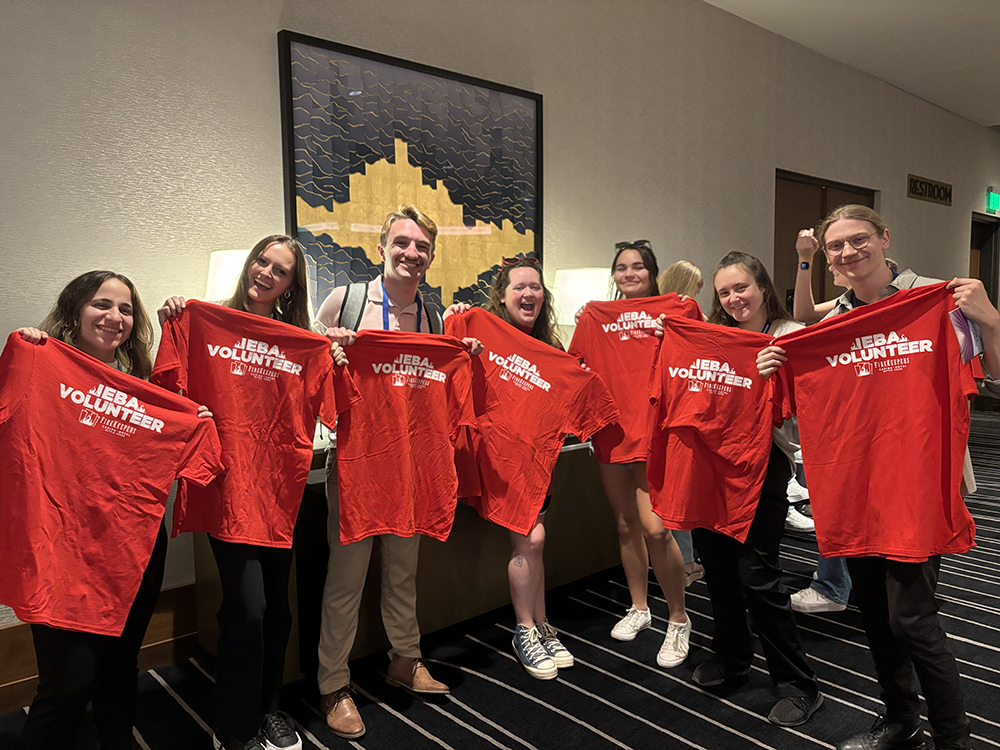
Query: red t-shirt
[881, 394]
[713, 421]
[265, 381]
[616, 341]
[541, 395]
[395, 447]
[89, 456]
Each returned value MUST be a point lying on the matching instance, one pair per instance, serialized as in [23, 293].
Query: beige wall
[140, 135]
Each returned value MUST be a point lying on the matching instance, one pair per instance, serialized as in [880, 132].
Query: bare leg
[526, 575]
[620, 487]
[664, 554]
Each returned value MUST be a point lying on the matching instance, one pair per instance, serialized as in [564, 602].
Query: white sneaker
[796, 492]
[633, 621]
[811, 600]
[797, 521]
[675, 645]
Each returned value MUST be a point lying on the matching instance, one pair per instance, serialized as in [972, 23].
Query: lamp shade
[574, 287]
[224, 268]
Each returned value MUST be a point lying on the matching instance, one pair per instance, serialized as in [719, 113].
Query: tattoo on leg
[519, 561]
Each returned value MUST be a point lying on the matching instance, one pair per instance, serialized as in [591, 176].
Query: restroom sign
[928, 190]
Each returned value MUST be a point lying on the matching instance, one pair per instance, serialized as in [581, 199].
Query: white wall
[140, 136]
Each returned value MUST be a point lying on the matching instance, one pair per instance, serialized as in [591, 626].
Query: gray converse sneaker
[532, 653]
[675, 645]
[629, 626]
[551, 643]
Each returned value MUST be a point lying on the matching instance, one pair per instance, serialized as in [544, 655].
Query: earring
[287, 295]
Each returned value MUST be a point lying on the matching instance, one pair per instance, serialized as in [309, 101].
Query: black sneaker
[884, 735]
[277, 733]
[794, 711]
[712, 674]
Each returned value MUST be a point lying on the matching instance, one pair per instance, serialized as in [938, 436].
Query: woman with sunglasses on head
[519, 297]
[100, 314]
[642, 537]
[745, 579]
[255, 617]
[540, 395]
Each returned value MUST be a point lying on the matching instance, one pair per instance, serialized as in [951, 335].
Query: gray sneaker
[551, 643]
[535, 659]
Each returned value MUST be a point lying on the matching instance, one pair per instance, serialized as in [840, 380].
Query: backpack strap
[435, 319]
[353, 306]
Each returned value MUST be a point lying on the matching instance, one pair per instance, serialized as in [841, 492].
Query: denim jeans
[683, 539]
[832, 579]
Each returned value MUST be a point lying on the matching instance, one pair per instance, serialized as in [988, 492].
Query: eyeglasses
[529, 259]
[858, 242]
[633, 245]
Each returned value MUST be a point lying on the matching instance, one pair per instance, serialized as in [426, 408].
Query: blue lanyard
[767, 327]
[385, 310]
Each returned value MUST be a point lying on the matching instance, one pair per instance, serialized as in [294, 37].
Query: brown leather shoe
[341, 714]
[412, 674]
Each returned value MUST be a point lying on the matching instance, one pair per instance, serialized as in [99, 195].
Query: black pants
[254, 623]
[899, 612]
[75, 668]
[746, 578]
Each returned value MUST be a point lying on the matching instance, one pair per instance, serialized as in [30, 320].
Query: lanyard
[385, 310]
[767, 327]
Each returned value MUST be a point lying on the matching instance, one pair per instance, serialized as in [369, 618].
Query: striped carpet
[616, 696]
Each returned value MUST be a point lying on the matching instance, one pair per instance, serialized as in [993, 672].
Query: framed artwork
[364, 133]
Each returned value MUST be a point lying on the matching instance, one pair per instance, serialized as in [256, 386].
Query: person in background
[684, 278]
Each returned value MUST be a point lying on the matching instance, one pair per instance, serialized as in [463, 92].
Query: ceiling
[946, 52]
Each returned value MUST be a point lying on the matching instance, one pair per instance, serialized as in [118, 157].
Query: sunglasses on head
[633, 245]
[527, 259]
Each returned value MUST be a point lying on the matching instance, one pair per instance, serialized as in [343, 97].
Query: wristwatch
[804, 265]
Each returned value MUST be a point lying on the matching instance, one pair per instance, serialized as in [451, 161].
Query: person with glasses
[896, 598]
[642, 537]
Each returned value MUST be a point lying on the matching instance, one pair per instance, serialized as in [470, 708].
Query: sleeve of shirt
[328, 315]
[170, 368]
[16, 364]
[344, 394]
[456, 326]
[987, 384]
[783, 395]
[460, 397]
[694, 310]
[659, 420]
[578, 345]
[201, 461]
[593, 409]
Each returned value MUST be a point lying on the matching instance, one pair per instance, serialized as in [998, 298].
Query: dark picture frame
[363, 132]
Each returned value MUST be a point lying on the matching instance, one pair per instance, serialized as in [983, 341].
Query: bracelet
[804, 265]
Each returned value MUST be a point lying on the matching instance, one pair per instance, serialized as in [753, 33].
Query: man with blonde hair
[388, 302]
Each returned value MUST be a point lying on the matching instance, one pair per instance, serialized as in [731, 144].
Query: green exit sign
[992, 201]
